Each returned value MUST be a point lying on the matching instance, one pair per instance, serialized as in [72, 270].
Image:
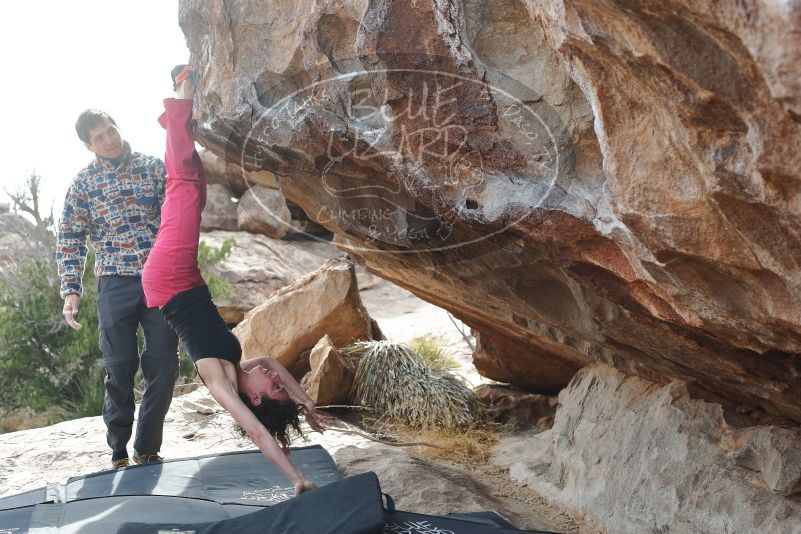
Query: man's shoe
[147, 459]
[122, 462]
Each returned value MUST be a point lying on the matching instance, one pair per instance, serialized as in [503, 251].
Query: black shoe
[178, 70]
[147, 459]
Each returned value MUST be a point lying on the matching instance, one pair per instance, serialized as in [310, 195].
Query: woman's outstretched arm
[224, 391]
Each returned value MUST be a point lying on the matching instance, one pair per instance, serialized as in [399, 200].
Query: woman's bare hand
[304, 485]
[314, 420]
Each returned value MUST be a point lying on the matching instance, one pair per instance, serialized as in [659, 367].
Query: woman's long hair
[277, 417]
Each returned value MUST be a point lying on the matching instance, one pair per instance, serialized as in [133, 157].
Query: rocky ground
[196, 426]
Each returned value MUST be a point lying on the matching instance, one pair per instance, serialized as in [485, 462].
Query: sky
[58, 58]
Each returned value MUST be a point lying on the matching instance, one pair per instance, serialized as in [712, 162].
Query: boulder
[772, 451]
[257, 267]
[331, 374]
[509, 360]
[577, 181]
[263, 211]
[307, 226]
[220, 210]
[232, 175]
[638, 456]
[295, 317]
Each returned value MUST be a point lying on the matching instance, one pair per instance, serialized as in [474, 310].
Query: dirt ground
[531, 511]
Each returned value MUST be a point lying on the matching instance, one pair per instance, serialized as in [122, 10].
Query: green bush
[85, 395]
[46, 365]
[207, 257]
[42, 361]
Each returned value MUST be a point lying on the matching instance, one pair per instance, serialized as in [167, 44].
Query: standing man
[116, 202]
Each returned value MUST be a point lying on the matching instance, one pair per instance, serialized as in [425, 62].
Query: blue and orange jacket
[119, 209]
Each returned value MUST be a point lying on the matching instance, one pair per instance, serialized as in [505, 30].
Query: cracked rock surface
[578, 180]
[638, 457]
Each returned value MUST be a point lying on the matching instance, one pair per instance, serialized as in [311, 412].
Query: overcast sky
[58, 58]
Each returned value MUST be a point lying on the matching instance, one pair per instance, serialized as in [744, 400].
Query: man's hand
[71, 303]
[304, 485]
[313, 418]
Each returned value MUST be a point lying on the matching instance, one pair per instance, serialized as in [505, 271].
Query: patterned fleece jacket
[119, 208]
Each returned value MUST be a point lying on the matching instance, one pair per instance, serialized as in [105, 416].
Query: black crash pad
[231, 478]
[349, 506]
[399, 522]
[35, 496]
[16, 520]
[233, 492]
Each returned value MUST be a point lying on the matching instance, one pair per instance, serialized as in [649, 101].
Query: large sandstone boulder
[331, 375]
[772, 451]
[263, 211]
[232, 175]
[220, 210]
[577, 180]
[294, 318]
[256, 268]
[639, 457]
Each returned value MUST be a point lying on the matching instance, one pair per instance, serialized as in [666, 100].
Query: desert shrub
[399, 386]
[209, 256]
[42, 361]
[46, 366]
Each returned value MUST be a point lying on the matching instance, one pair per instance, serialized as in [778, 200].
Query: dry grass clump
[465, 446]
[432, 351]
[26, 418]
[401, 387]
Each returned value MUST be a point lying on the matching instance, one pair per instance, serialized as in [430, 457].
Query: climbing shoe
[180, 73]
[147, 458]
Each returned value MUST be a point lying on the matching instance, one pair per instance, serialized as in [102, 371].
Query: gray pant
[121, 309]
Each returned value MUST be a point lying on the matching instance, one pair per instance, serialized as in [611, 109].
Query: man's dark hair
[277, 417]
[88, 119]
